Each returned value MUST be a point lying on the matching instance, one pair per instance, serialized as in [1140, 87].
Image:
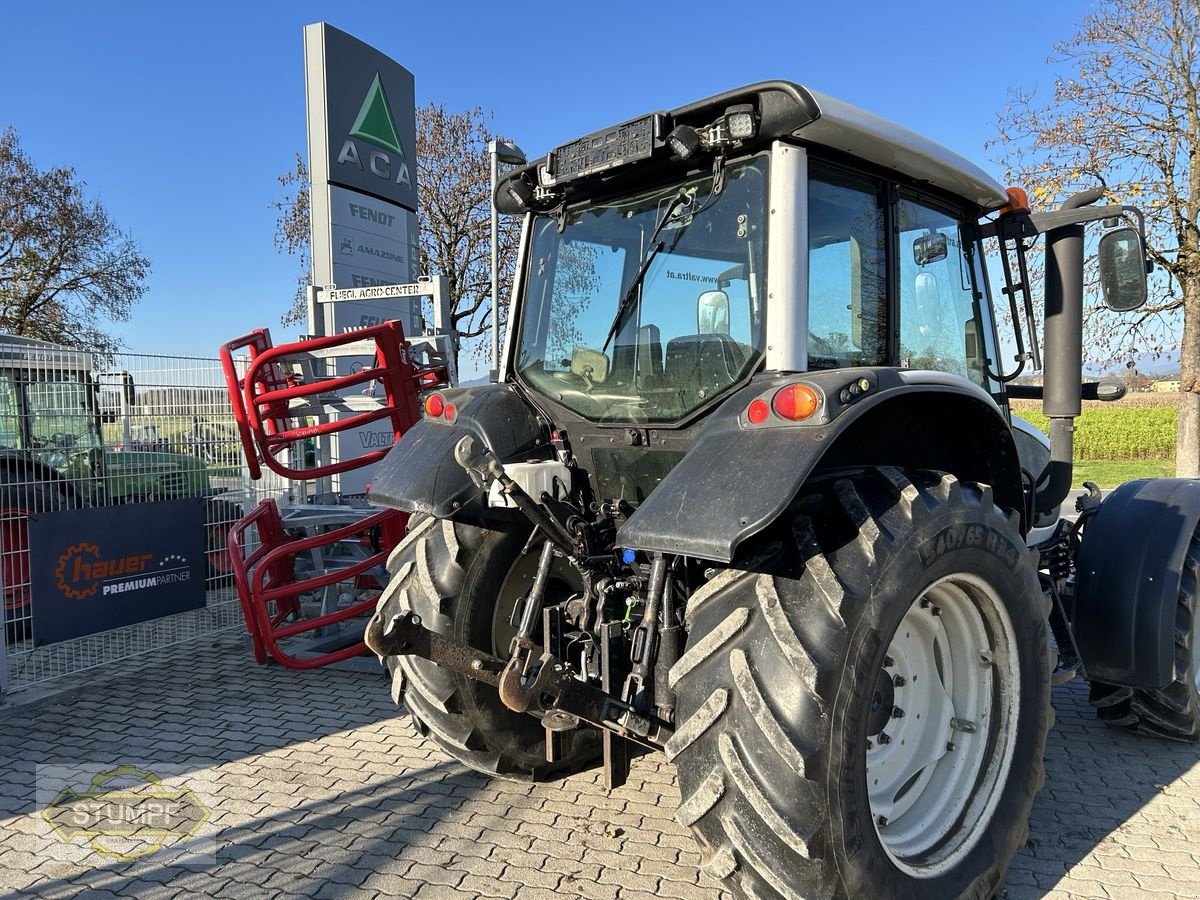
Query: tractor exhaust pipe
[1062, 396]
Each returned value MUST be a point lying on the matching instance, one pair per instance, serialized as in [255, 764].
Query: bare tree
[453, 183]
[1128, 117]
[65, 268]
[292, 233]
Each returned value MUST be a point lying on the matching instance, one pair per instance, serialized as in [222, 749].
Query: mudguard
[419, 473]
[1129, 572]
[737, 478]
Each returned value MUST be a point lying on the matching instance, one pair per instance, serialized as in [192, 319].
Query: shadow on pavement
[319, 848]
[206, 704]
[1116, 809]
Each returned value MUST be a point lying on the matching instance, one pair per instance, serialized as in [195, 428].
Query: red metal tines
[267, 575]
[261, 398]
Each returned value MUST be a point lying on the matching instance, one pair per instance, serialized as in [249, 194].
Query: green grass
[1128, 433]
[1107, 473]
[1115, 444]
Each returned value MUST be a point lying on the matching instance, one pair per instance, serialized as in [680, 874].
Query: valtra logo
[83, 570]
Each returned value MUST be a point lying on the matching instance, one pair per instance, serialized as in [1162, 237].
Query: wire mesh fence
[81, 430]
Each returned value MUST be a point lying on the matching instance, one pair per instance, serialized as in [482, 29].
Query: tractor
[748, 493]
[52, 456]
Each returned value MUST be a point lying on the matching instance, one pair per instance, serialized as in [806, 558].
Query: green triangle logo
[374, 121]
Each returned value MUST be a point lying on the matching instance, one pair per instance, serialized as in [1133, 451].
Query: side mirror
[1122, 269]
[712, 313]
[930, 247]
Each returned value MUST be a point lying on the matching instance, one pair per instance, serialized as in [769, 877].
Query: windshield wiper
[652, 250]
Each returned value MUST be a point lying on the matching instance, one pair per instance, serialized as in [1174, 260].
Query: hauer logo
[375, 125]
[83, 570]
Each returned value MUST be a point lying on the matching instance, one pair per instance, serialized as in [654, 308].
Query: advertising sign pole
[361, 146]
[363, 205]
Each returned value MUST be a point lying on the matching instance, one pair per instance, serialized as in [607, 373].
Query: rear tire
[1172, 712]
[794, 668]
[457, 579]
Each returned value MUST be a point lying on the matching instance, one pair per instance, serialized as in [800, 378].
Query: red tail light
[757, 412]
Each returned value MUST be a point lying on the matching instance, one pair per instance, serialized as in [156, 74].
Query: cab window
[847, 273]
[940, 327]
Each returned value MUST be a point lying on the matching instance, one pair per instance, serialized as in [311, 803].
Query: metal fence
[80, 430]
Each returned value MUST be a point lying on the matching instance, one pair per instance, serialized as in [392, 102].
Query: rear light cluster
[792, 403]
[436, 407]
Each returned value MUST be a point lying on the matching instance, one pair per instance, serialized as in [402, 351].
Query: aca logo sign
[375, 125]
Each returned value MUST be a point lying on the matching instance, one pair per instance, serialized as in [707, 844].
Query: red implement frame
[267, 575]
[267, 423]
[261, 398]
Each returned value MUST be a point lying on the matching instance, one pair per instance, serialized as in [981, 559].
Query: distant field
[1120, 441]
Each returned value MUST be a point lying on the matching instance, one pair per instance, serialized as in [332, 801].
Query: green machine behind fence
[54, 406]
[748, 493]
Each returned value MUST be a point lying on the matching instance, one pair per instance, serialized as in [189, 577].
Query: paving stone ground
[317, 787]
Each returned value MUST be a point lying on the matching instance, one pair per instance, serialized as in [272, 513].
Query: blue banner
[105, 567]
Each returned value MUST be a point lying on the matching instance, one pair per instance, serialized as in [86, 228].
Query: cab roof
[789, 110]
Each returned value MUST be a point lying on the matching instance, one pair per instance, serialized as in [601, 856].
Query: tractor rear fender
[737, 478]
[20, 467]
[1129, 576]
[419, 473]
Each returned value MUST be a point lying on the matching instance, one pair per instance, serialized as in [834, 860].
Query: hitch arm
[549, 687]
[406, 636]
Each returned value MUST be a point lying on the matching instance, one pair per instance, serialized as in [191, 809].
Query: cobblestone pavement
[317, 787]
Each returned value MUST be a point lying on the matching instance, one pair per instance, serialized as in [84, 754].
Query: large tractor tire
[464, 583]
[863, 708]
[1172, 712]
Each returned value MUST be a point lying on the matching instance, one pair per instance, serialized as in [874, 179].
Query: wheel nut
[888, 662]
[897, 712]
[950, 746]
[884, 738]
[882, 820]
[899, 681]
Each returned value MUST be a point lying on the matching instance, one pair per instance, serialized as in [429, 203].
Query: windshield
[691, 330]
[60, 412]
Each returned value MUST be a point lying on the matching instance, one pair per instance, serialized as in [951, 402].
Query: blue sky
[179, 117]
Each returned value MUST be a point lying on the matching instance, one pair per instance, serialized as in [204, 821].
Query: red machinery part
[261, 398]
[267, 575]
[14, 557]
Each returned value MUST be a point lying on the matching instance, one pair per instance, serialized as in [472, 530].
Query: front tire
[797, 664]
[463, 582]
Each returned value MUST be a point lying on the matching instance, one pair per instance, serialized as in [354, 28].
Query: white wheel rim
[940, 753]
